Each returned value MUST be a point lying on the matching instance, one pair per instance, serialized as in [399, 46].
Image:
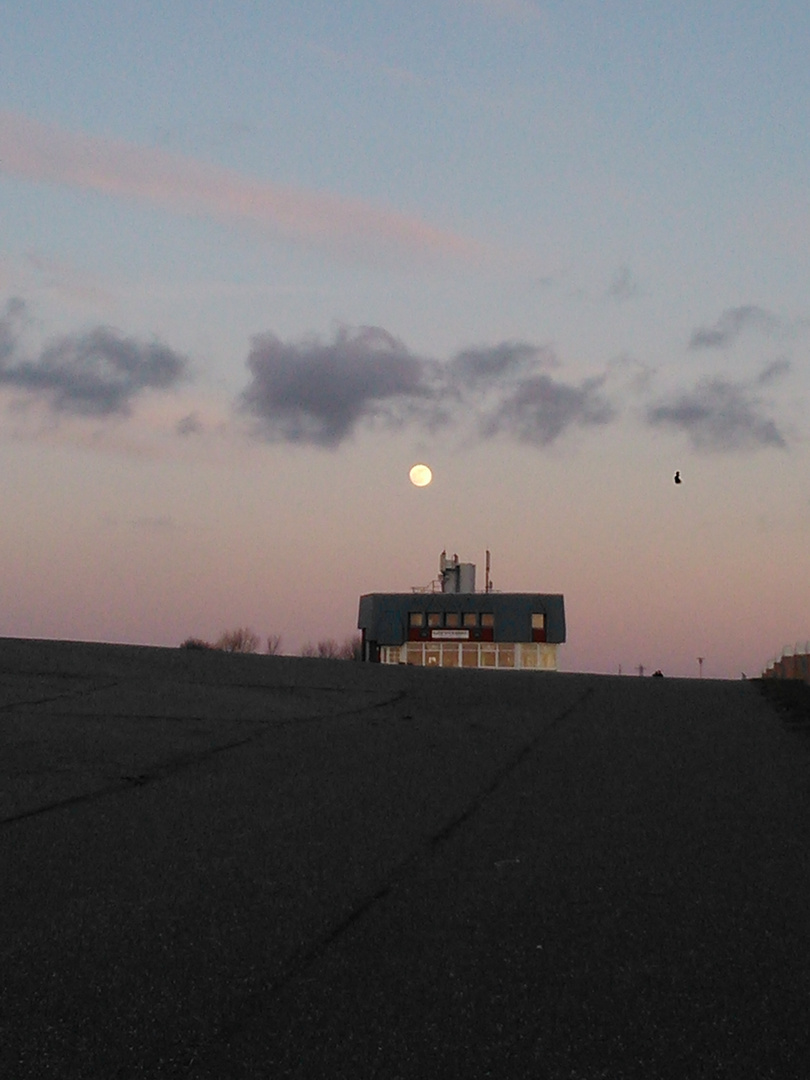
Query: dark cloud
[319, 393]
[730, 325]
[720, 415]
[498, 363]
[539, 409]
[10, 325]
[316, 392]
[97, 373]
[506, 389]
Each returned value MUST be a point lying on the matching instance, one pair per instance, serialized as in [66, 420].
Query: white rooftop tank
[456, 577]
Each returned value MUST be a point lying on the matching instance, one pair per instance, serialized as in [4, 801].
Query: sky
[259, 258]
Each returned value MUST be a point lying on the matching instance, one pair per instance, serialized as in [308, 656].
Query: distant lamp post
[700, 667]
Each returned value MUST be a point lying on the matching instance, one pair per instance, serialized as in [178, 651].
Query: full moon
[420, 475]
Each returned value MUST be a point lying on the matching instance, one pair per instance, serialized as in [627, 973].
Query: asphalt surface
[220, 866]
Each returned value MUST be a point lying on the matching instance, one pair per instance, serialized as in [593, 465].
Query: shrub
[196, 643]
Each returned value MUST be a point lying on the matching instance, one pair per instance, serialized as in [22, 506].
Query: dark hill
[240, 866]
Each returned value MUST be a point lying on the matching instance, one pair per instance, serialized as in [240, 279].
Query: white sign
[450, 635]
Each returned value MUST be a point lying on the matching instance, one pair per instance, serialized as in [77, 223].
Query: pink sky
[257, 260]
[43, 153]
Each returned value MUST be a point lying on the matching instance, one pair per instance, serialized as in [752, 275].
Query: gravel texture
[217, 866]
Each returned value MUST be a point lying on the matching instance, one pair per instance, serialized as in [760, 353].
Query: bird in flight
[677, 477]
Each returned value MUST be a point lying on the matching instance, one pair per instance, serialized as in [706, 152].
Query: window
[416, 618]
[538, 620]
[470, 618]
[452, 618]
[487, 618]
[529, 656]
[469, 655]
[506, 656]
[434, 618]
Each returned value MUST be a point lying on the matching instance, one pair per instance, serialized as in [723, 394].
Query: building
[452, 625]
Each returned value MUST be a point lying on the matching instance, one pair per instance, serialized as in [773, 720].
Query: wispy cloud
[42, 153]
[190, 424]
[623, 286]
[321, 392]
[96, 373]
[731, 324]
[773, 371]
[159, 524]
[162, 523]
[722, 415]
[63, 279]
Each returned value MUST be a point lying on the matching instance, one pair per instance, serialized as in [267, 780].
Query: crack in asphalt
[78, 691]
[308, 955]
[176, 765]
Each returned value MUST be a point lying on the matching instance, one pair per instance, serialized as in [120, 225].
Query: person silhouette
[677, 476]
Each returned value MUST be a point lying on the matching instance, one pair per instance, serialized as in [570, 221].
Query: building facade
[449, 628]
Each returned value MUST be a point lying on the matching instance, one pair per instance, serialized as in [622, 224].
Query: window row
[456, 619]
[528, 655]
[451, 619]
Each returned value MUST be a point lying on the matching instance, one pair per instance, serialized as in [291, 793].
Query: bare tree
[241, 640]
[273, 644]
[329, 649]
[352, 648]
[326, 649]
